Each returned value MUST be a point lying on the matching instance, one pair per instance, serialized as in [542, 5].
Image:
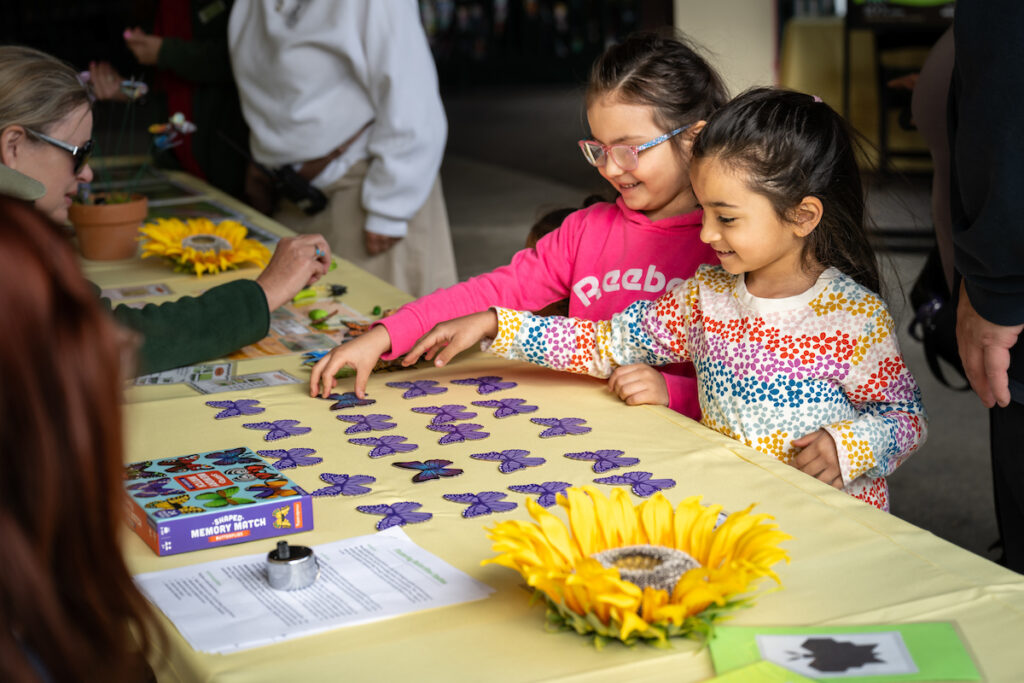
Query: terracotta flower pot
[108, 232]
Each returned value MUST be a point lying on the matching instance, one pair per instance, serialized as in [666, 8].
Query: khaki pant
[419, 263]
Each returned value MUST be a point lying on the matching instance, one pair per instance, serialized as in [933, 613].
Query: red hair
[68, 605]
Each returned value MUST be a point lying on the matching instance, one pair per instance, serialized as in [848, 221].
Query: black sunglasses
[79, 153]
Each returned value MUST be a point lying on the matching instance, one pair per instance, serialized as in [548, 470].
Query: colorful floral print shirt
[769, 370]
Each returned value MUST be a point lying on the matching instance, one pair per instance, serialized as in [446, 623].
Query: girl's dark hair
[662, 72]
[69, 608]
[793, 146]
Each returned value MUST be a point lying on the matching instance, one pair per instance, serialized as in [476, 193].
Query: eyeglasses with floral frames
[626, 157]
[79, 153]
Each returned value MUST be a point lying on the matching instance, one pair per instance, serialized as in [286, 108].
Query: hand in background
[361, 354]
[106, 82]
[819, 458]
[297, 263]
[985, 352]
[145, 46]
[377, 243]
[639, 385]
[449, 338]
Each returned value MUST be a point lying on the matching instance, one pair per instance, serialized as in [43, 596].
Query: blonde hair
[37, 90]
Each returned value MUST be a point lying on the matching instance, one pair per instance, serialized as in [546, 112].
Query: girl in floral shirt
[795, 353]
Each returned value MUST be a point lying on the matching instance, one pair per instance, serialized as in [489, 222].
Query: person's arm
[892, 421]
[197, 329]
[534, 278]
[648, 332]
[407, 139]
[986, 176]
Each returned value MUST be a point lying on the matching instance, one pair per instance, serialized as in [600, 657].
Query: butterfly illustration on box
[272, 488]
[223, 497]
[140, 470]
[430, 469]
[186, 463]
[234, 456]
[152, 488]
[281, 520]
[174, 506]
[250, 473]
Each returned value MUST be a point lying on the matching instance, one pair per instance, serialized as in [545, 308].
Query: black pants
[1007, 432]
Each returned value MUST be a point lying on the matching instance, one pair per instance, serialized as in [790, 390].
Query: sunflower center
[206, 242]
[648, 565]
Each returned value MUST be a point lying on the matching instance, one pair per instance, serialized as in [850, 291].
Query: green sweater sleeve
[197, 329]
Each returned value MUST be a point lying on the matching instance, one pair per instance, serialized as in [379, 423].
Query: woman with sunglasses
[45, 141]
[646, 100]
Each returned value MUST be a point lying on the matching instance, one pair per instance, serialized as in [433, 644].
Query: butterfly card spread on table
[206, 500]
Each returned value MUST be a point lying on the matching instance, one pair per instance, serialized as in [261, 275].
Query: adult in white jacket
[346, 93]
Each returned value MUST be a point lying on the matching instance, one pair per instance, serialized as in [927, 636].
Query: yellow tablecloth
[851, 564]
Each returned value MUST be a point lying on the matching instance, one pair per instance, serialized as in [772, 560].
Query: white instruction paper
[226, 606]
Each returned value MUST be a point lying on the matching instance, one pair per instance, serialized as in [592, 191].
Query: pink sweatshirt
[603, 257]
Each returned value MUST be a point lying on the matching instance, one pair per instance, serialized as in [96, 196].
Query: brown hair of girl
[69, 608]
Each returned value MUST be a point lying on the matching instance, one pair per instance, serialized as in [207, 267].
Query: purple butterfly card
[278, 429]
[561, 426]
[604, 460]
[344, 484]
[242, 406]
[396, 514]
[420, 387]
[152, 488]
[507, 407]
[348, 400]
[457, 433]
[446, 413]
[483, 503]
[546, 491]
[511, 460]
[385, 445]
[641, 482]
[486, 385]
[367, 423]
[431, 469]
[292, 457]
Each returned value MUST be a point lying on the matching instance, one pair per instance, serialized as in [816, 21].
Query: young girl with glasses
[796, 354]
[646, 100]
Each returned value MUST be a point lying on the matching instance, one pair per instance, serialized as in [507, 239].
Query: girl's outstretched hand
[361, 354]
[639, 385]
[449, 338]
[819, 458]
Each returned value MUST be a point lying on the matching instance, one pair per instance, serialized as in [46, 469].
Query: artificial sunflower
[199, 245]
[644, 572]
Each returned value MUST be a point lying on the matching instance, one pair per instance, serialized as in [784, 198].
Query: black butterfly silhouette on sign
[830, 655]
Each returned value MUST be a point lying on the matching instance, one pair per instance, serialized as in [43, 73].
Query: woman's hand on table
[818, 457]
[297, 262]
[449, 338]
[639, 385]
[360, 354]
